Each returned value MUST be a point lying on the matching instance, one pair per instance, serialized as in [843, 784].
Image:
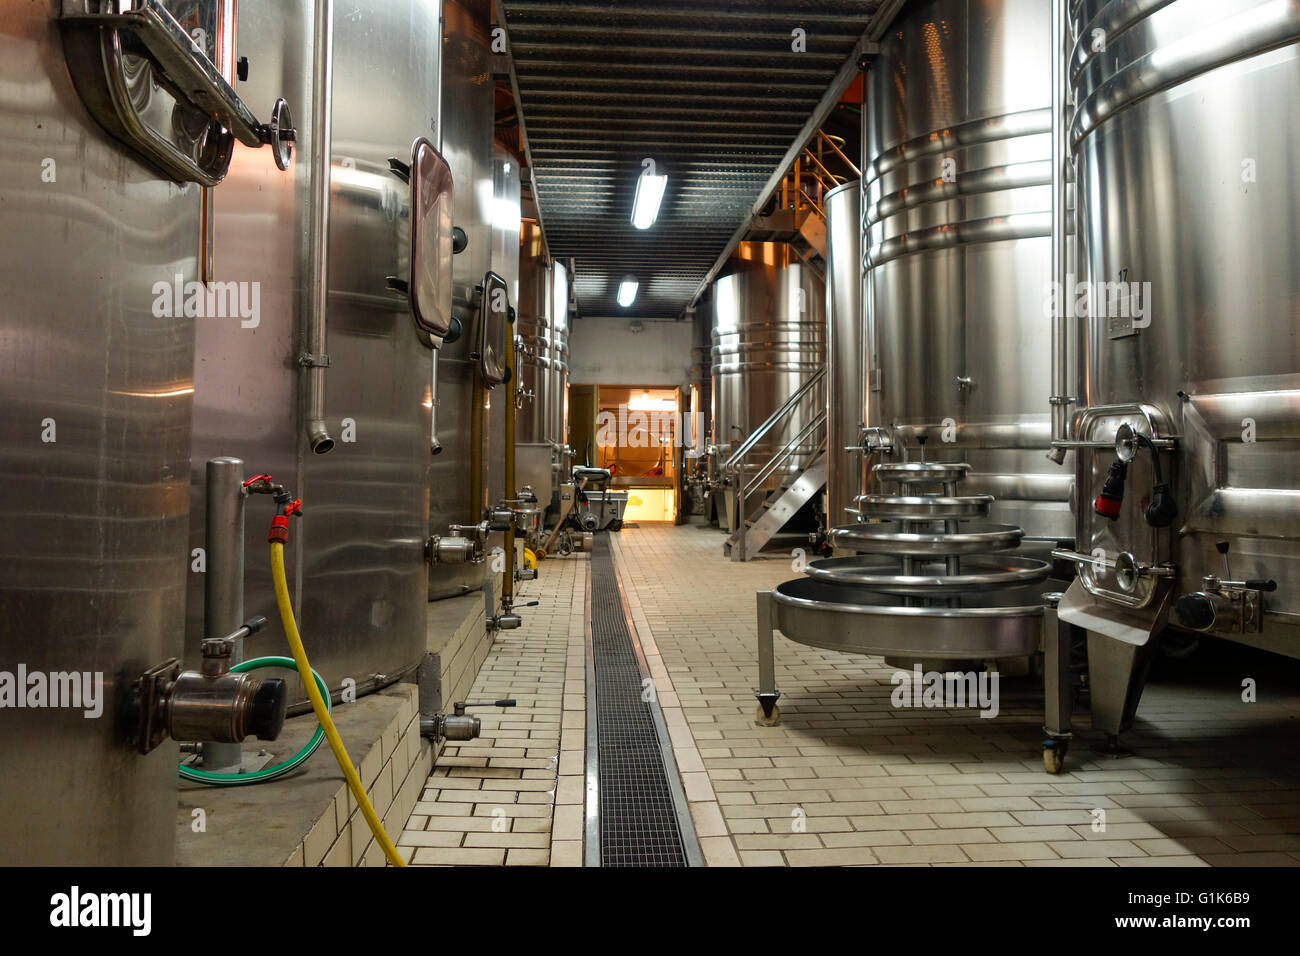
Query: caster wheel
[763, 720]
[1054, 756]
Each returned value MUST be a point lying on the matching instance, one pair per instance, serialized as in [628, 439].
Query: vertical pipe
[1060, 400]
[223, 582]
[435, 445]
[313, 359]
[476, 424]
[512, 491]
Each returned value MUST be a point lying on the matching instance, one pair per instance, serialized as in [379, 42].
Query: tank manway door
[137, 56]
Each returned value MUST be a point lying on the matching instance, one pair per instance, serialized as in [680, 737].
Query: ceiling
[711, 91]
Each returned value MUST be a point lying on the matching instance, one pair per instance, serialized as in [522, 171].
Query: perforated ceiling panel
[714, 93]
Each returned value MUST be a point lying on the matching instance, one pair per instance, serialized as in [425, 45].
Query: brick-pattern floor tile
[513, 796]
[848, 779]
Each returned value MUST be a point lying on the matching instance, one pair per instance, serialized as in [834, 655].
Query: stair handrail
[733, 463]
[786, 451]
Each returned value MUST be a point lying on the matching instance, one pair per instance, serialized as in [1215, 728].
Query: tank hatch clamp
[102, 52]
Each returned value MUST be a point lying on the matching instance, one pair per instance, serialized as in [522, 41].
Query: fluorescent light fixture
[627, 291]
[649, 194]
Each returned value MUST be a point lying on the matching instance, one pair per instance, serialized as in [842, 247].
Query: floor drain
[642, 818]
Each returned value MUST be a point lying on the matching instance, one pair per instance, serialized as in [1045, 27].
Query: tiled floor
[849, 779]
[514, 795]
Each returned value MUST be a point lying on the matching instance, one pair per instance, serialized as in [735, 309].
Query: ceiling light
[649, 194]
[627, 291]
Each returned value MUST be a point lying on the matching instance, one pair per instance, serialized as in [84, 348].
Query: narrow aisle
[850, 779]
[514, 795]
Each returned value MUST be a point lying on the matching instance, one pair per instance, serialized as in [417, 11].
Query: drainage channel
[636, 808]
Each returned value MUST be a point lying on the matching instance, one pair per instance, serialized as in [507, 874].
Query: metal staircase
[800, 473]
[797, 213]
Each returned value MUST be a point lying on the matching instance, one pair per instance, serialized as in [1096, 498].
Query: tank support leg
[1058, 689]
[769, 715]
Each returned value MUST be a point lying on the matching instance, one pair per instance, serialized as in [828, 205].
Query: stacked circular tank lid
[932, 578]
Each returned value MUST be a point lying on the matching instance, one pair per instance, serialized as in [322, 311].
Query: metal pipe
[314, 359]
[223, 580]
[1060, 401]
[435, 445]
[512, 367]
[476, 501]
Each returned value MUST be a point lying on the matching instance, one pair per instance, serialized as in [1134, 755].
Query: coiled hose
[321, 709]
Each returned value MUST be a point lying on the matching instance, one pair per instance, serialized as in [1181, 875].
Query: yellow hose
[318, 705]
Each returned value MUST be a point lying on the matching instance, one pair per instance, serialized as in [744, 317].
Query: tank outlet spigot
[451, 549]
[505, 622]
[1204, 611]
[458, 725]
[525, 574]
[191, 705]
[450, 728]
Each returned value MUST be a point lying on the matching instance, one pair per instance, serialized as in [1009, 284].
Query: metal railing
[747, 477]
[811, 176]
[776, 418]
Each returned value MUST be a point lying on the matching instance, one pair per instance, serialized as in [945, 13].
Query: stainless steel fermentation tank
[846, 355]
[769, 338]
[940, 358]
[1183, 136]
[356, 560]
[534, 328]
[957, 252]
[466, 143]
[506, 225]
[95, 410]
[557, 404]
[542, 427]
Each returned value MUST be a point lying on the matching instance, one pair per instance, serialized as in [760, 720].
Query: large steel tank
[769, 337]
[1185, 144]
[95, 404]
[466, 143]
[557, 399]
[505, 263]
[533, 324]
[846, 388]
[356, 560]
[957, 219]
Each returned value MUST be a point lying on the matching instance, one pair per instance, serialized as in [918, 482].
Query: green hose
[275, 770]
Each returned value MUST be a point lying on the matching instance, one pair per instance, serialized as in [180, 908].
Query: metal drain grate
[638, 821]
